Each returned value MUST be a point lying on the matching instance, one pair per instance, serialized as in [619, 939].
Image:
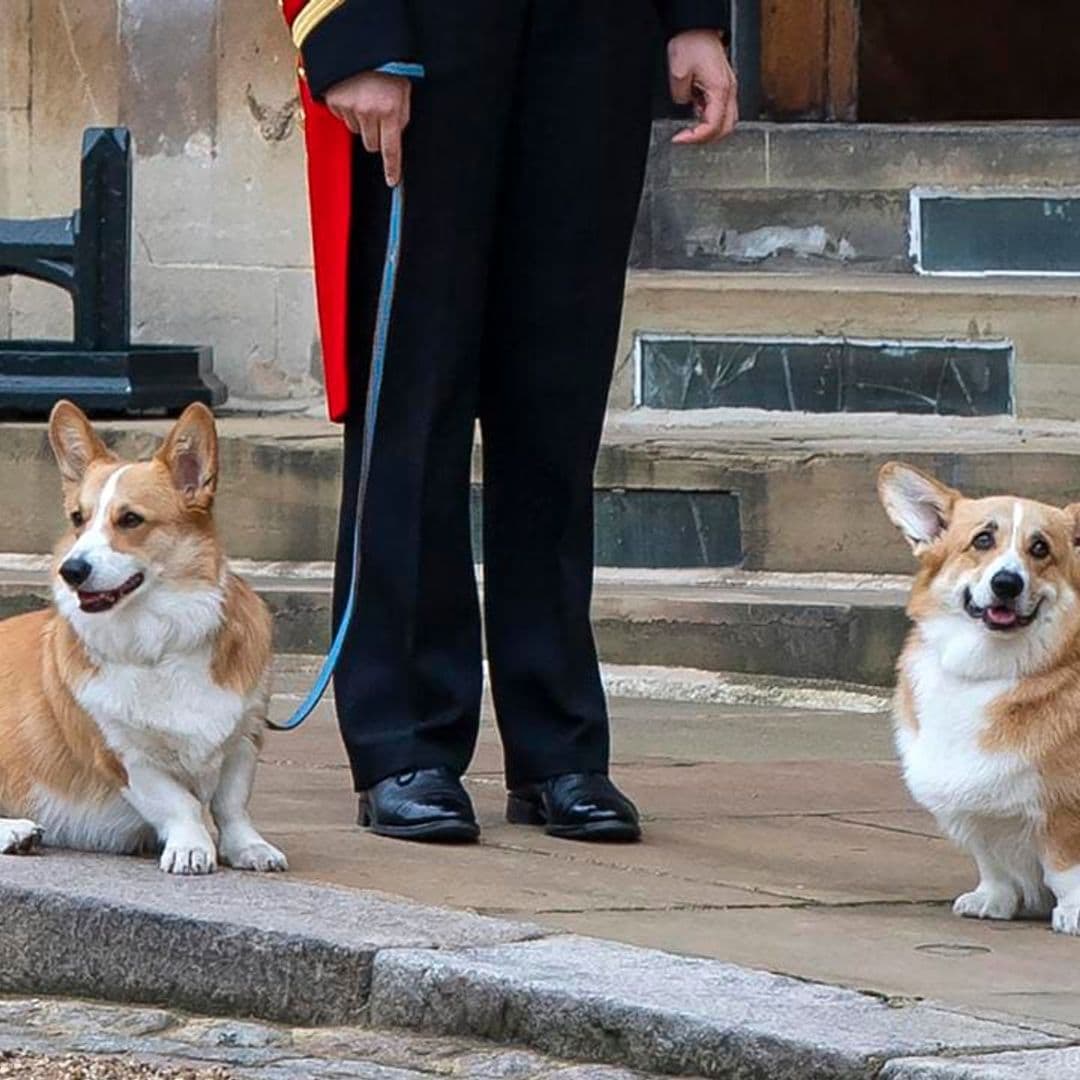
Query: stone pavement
[777, 838]
[76, 1040]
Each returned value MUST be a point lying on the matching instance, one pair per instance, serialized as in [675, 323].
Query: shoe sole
[524, 812]
[437, 832]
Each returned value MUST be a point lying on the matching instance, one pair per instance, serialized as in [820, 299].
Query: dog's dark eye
[984, 541]
[1039, 549]
[130, 520]
[77, 519]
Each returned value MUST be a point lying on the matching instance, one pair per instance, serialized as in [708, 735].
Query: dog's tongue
[95, 603]
[1002, 616]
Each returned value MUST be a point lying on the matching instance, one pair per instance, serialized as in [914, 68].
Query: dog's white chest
[172, 711]
[945, 763]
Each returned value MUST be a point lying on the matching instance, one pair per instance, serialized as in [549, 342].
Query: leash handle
[387, 292]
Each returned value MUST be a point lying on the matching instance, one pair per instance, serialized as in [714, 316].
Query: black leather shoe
[576, 806]
[424, 804]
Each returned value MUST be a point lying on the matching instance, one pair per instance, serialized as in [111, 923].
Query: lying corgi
[988, 702]
[136, 704]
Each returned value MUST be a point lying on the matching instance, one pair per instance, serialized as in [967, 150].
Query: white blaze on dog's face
[134, 526]
[999, 578]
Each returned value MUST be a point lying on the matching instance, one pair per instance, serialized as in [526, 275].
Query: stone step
[837, 629]
[832, 197]
[692, 490]
[1036, 319]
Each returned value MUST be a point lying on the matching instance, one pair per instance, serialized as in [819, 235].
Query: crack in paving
[841, 818]
[692, 908]
[600, 864]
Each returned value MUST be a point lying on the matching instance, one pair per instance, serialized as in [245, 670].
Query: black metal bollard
[89, 255]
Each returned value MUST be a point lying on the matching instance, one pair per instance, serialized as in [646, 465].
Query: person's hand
[376, 107]
[701, 74]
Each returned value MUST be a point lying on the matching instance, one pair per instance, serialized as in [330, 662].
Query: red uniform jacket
[329, 157]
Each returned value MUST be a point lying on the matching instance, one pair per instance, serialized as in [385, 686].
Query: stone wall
[206, 86]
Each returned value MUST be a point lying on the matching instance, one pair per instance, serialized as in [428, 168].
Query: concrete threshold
[272, 948]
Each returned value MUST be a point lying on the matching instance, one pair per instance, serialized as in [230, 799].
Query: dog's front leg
[177, 816]
[240, 843]
[1066, 886]
[998, 895]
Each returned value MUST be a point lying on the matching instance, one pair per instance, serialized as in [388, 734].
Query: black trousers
[524, 164]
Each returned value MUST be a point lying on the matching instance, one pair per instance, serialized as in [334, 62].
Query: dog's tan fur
[56, 756]
[1002, 702]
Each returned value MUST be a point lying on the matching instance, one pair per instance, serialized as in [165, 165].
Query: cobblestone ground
[57, 1039]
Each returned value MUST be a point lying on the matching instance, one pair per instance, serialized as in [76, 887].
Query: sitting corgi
[136, 704]
[988, 702]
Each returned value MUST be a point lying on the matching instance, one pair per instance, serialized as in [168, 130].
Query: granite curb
[290, 952]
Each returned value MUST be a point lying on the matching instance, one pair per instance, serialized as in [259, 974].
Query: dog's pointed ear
[917, 504]
[1073, 512]
[190, 453]
[74, 442]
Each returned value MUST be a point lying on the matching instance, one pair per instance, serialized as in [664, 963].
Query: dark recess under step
[827, 375]
[1018, 234]
[655, 529]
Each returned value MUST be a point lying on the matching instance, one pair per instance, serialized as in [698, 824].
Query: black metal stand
[89, 255]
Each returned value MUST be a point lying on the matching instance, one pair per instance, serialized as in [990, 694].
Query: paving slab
[583, 997]
[781, 839]
[902, 951]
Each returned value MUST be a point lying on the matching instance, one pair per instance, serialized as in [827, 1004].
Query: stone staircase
[738, 525]
[745, 542]
[816, 232]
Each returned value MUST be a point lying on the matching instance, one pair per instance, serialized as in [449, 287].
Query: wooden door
[809, 59]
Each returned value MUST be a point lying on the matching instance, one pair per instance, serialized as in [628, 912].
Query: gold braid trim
[310, 17]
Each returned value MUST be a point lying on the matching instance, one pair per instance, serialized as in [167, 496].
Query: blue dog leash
[387, 292]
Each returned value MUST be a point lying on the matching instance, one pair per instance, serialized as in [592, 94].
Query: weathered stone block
[231, 943]
[579, 997]
[15, 56]
[233, 309]
[724, 230]
[1034, 1065]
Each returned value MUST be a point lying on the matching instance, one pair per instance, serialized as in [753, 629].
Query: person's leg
[575, 165]
[409, 685]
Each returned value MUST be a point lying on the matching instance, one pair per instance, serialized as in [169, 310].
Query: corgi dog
[988, 699]
[131, 711]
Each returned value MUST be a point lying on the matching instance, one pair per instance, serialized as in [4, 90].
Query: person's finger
[390, 133]
[369, 132]
[713, 108]
[351, 121]
[682, 88]
[342, 114]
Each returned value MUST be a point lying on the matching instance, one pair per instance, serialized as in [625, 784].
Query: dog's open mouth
[1000, 616]
[96, 602]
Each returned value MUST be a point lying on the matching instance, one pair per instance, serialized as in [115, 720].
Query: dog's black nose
[1007, 585]
[75, 571]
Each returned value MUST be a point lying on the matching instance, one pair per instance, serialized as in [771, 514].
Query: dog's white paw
[19, 837]
[257, 855]
[188, 859]
[987, 902]
[1066, 919]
